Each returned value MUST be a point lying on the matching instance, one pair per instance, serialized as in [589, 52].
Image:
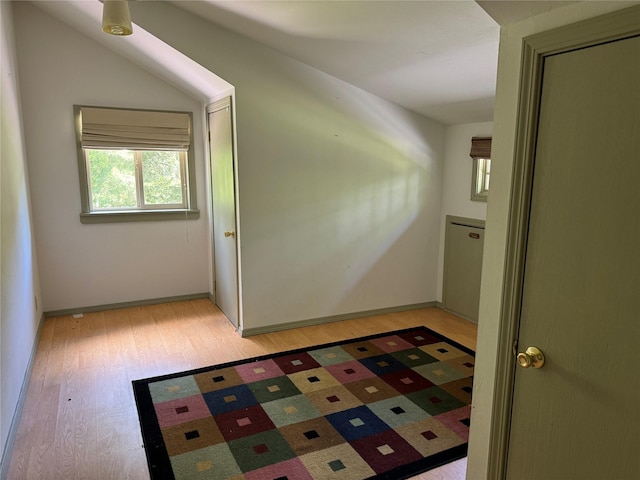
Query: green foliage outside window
[113, 179]
[126, 179]
[162, 179]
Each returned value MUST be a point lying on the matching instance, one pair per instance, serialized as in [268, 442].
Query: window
[135, 165]
[482, 170]
[481, 173]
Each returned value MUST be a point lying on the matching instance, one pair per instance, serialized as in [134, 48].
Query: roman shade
[480, 147]
[134, 129]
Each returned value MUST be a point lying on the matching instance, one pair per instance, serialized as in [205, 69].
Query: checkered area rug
[386, 406]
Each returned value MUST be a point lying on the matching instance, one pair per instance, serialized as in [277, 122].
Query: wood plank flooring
[79, 419]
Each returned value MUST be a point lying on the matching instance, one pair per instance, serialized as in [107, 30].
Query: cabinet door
[463, 267]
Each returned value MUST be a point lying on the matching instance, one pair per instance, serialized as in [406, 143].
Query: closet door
[577, 417]
[225, 237]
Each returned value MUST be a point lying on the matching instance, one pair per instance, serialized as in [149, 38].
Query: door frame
[610, 27]
[228, 101]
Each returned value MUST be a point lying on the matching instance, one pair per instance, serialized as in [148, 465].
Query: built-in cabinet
[464, 241]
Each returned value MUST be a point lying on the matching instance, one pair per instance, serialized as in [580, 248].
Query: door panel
[577, 417]
[224, 211]
[463, 266]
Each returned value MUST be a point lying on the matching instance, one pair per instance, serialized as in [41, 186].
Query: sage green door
[224, 210]
[577, 417]
[464, 242]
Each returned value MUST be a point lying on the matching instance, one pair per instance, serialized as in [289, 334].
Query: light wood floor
[79, 419]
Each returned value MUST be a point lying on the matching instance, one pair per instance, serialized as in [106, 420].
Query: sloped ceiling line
[143, 49]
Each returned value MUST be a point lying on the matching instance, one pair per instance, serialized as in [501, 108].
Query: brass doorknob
[532, 357]
[229, 234]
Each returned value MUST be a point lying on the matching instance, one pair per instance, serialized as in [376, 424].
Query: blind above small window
[480, 147]
[134, 129]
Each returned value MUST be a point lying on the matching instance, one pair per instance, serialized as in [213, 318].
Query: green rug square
[439, 372]
[173, 389]
[260, 450]
[435, 401]
[273, 389]
[201, 464]
[331, 356]
[290, 410]
[398, 411]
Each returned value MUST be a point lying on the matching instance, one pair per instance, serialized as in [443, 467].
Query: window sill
[479, 198]
[139, 216]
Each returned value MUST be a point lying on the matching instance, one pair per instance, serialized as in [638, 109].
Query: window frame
[146, 213]
[481, 168]
[138, 165]
[479, 174]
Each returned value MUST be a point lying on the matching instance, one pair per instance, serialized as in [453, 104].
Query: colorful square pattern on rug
[386, 406]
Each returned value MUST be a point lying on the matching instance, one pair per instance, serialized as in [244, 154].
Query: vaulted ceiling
[438, 58]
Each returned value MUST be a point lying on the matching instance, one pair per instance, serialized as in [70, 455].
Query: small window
[136, 179]
[135, 165]
[481, 173]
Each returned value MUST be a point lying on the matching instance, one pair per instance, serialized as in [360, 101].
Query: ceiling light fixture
[116, 18]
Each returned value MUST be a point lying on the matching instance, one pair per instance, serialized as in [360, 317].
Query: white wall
[87, 265]
[340, 191]
[19, 317]
[503, 150]
[456, 181]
